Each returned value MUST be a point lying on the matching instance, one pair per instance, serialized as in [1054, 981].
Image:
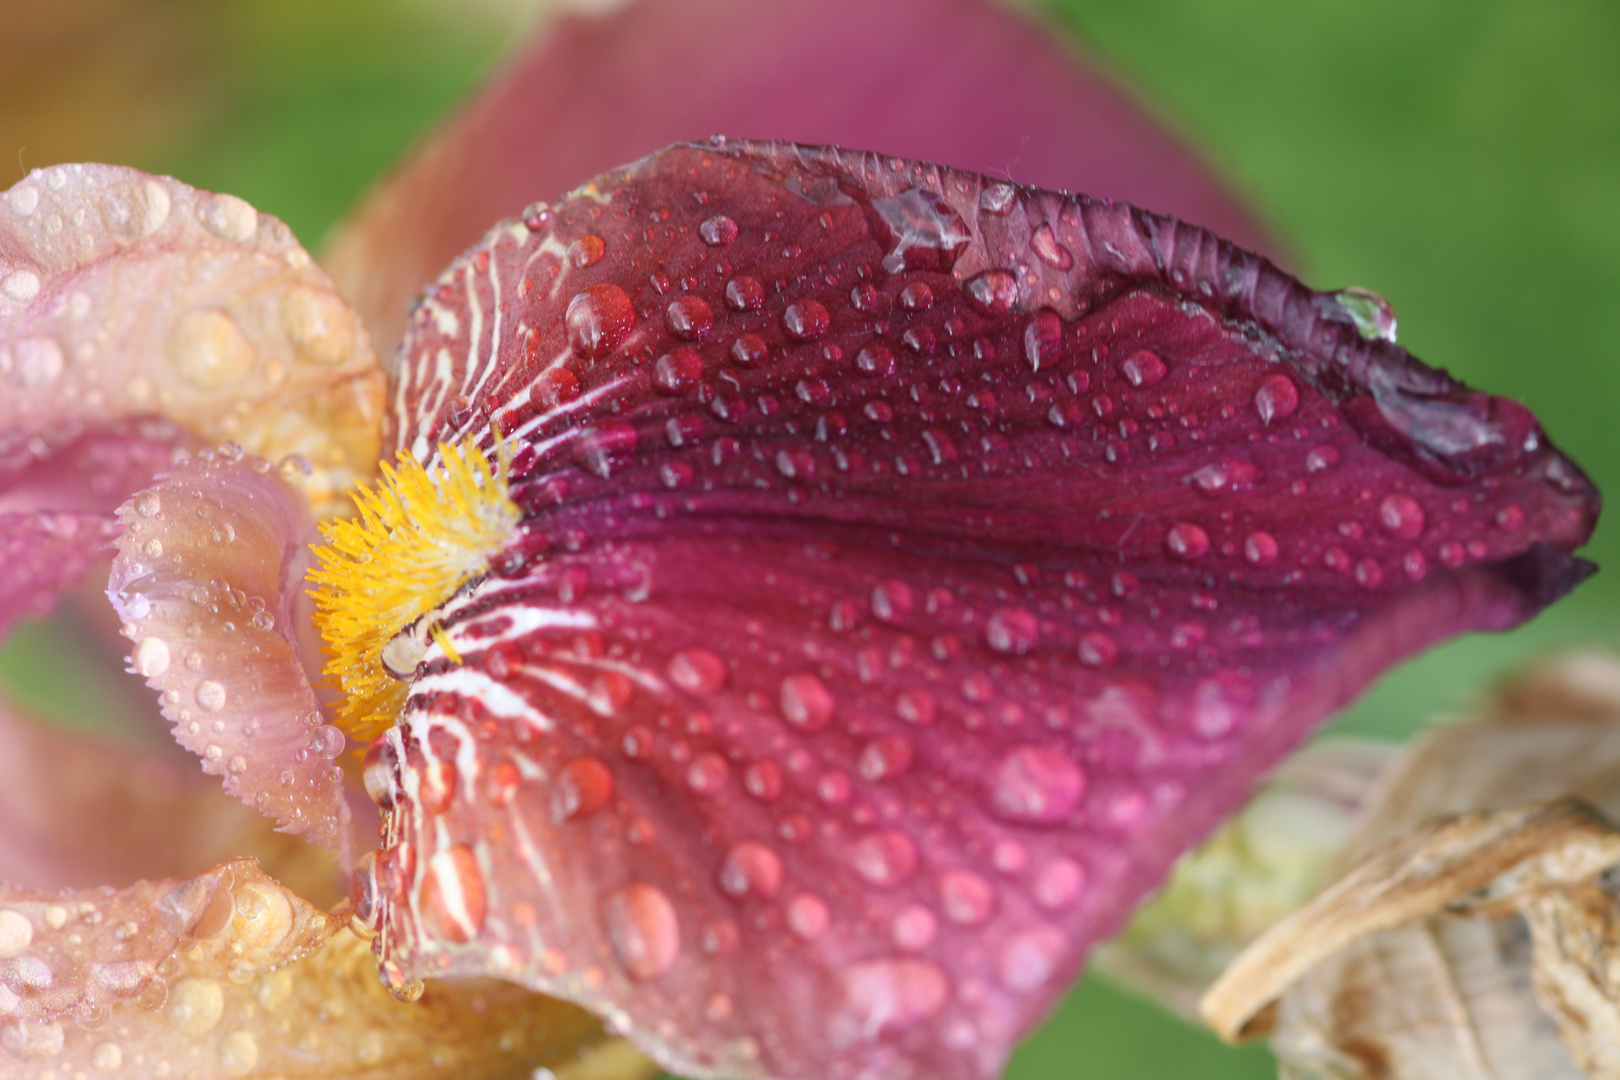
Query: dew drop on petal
[1036, 785]
[643, 929]
[806, 702]
[885, 859]
[808, 916]
[1260, 548]
[599, 319]
[583, 787]
[1276, 399]
[211, 695]
[1402, 516]
[750, 869]
[1029, 959]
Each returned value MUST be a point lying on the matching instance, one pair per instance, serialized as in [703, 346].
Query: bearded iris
[724, 680]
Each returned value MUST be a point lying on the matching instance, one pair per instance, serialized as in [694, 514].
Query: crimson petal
[973, 83]
[914, 564]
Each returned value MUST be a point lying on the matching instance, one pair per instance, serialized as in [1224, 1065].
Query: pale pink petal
[230, 976]
[78, 811]
[138, 314]
[209, 569]
[970, 83]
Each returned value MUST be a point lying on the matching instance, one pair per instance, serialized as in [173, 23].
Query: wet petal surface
[229, 975]
[897, 598]
[970, 83]
[210, 565]
[136, 315]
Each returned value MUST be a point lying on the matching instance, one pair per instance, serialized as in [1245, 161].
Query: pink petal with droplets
[124, 295]
[866, 656]
[209, 567]
[971, 83]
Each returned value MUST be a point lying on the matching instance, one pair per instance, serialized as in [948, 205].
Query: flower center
[419, 537]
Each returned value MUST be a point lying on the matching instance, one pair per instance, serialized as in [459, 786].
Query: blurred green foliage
[1462, 157]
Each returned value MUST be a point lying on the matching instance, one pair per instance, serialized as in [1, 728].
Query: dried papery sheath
[1480, 944]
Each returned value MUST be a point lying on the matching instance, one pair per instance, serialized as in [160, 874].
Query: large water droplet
[718, 231]
[1012, 630]
[993, 292]
[750, 869]
[1030, 959]
[1372, 314]
[209, 349]
[885, 757]
[1036, 785]
[808, 916]
[1143, 368]
[806, 320]
[36, 362]
[806, 702]
[1401, 515]
[1046, 246]
[599, 319]
[642, 929]
[925, 233]
[690, 318]
[1276, 399]
[882, 996]
[1043, 339]
[885, 859]
[211, 695]
[1186, 541]
[584, 786]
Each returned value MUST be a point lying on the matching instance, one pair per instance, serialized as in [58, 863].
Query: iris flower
[807, 598]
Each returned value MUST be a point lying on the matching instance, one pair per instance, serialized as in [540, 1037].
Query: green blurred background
[1462, 157]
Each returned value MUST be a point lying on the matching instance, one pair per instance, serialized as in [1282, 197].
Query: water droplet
[1368, 574]
[1030, 959]
[1036, 785]
[20, 285]
[1372, 314]
[238, 1053]
[882, 996]
[209, 349]
[914, 928]
[601, 449]
[151, 657]
[1058, 883]
[763, 780]
[642, 929]
[1043, 339]
[744, 293]
[690, 318]
[708, 774]
[1260, 548]
[874, 360]
[16, 933]
[1276, 399]
[24, 198]
[1401, 515]
[453, 900]
[1012, 630]
[806, 320]
[1143, 369]
[583, 787]
[925, 233]
[136, 209]
[1097, 649]
[885, 757]
[806, 702]
[32, 1040]
[599, 319]
[993, 291]
[916, 296]
[998, 199]
[1321, 458]
[892, 602]
[808, 916]
[750, 869]
[228, 217]
[718, 231]
[915, 707]
[211, 695]
[1186, 541]
[1048, 249]
[107, 1057]
[697, 671]
[885, 859]
[1510, 518]
[587, 251]
[194, 1005]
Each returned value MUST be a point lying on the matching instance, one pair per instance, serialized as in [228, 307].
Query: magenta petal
[970, 83]
[914, 565]
[209, 567]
